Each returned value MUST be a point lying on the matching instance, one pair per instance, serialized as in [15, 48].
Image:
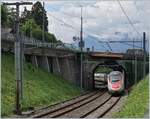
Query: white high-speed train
[100, 80]
[116, 82]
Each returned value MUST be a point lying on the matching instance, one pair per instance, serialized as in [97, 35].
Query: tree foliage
[31, 22]
[8, 17]
[11, 18]
[4, 13]
[31, 29]
[39, 15]
[38, 34]
[50, 37]
[103, 70]
[26, 14]
[28, 27]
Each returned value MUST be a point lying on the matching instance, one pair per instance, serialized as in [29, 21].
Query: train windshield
[115, 78]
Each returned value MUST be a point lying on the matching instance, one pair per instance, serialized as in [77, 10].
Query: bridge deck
[106, 54]
[34, 46]
[122, 56]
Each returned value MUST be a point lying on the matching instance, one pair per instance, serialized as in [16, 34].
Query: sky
[101, 18]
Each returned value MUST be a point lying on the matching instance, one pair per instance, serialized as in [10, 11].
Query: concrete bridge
[66, 62]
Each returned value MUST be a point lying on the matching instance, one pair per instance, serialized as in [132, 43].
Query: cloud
[62, 31]
[100, 17]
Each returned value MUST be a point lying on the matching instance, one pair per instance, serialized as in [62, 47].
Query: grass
[40, 88]
[103, 70]
[137, 102]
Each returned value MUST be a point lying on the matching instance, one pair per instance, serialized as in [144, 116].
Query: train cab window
[115, 78]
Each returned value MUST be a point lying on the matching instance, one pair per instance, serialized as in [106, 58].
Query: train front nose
[116, 85]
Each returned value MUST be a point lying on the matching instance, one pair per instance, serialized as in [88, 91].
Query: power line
[128, 18]
[128, 41]
[64, 23]
[102, 45]
[132, 45]
[124, 41]
[107, 42]
[67, 14]
[68, 25]
[109, 46]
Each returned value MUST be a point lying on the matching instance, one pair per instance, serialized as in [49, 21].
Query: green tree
[31, 29]
[37, 33]
[28, 27]
[26, 14]
[4, 13]
[32, 23]
[50, 37]
[38, 13]
[11, 23]
[7, 17]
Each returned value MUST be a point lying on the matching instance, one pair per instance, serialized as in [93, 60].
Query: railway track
[94, 104]
[51, 108]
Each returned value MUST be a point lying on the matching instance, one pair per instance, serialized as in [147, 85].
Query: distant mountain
[95, 41]
[91, 41]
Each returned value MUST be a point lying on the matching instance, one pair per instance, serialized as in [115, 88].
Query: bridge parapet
[120, 56]
[8, 37]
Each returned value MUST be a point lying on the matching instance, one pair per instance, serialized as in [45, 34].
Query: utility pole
[81, 45]
[135, 63]
[144, 50]
[18, 57]
[43, 37]
[92, 48]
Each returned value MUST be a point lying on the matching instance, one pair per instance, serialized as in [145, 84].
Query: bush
[28, 27]
[37, 33]
[103, 70]
[50, 38]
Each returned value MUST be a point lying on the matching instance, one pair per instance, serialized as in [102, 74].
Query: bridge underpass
[66, 63]
[104, 69]
[133, 69]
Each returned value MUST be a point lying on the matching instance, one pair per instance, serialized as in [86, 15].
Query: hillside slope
[137, 102]
[40, 88]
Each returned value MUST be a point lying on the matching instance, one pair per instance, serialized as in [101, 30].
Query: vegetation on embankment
[137, 102]
[31, 22]
[40, 88]
[103, 70]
